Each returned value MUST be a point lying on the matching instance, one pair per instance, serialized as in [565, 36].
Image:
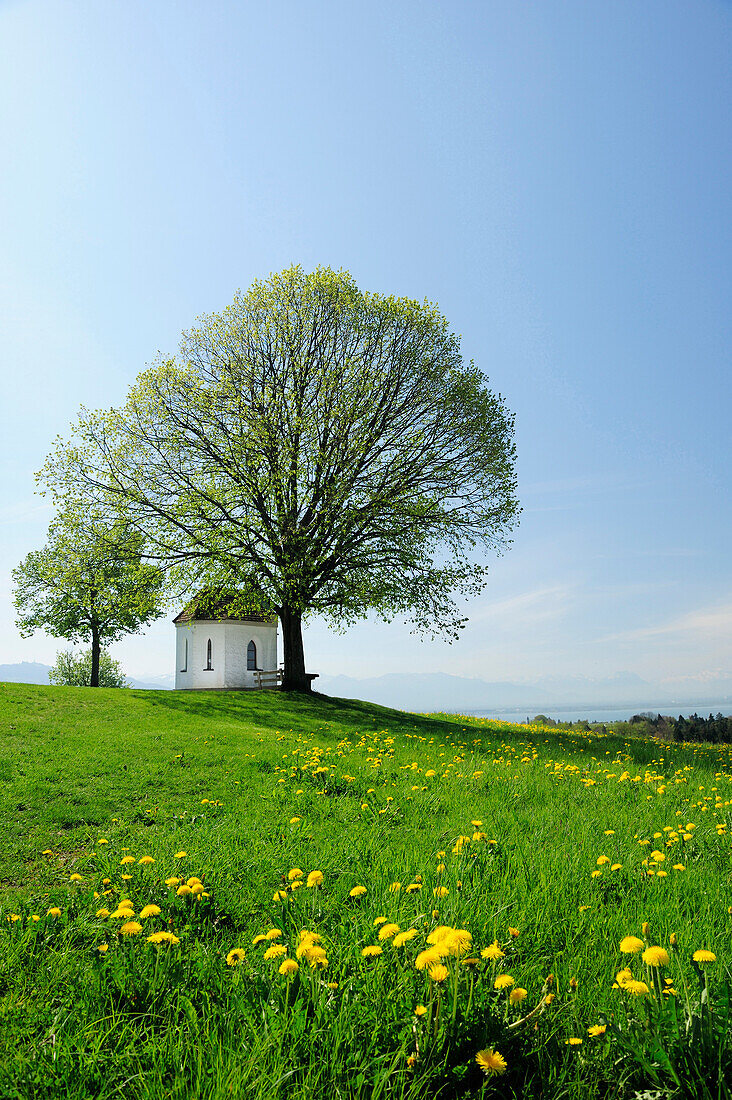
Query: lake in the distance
[607, 714]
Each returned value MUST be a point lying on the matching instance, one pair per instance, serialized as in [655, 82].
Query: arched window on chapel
[251, 657]
[209, 665]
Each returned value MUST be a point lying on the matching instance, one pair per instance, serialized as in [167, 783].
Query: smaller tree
[88, 584]
[75, 670]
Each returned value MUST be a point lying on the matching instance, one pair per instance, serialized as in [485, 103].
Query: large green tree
[72, 670]
[325, 447]
[89, 583]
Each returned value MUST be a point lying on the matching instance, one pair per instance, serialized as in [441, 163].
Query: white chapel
[217, 649]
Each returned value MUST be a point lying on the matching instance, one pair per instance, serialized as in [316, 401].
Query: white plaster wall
[229, 641]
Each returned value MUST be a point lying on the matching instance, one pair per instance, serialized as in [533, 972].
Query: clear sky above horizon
[556, 175]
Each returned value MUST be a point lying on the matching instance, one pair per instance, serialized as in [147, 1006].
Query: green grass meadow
[221, 895]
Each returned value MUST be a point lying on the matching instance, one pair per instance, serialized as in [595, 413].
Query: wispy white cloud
[547, 602]
[704, 624]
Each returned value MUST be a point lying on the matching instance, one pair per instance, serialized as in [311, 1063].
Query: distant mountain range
[439, 691]
[31, 672]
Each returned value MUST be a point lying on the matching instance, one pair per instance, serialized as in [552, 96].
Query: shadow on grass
[290, 709]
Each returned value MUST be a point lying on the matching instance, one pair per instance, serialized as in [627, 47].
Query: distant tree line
[716, 728]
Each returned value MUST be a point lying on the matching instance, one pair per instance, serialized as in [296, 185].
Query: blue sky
[556, 175]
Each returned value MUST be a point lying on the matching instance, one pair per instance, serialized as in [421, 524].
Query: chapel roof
[224, 607]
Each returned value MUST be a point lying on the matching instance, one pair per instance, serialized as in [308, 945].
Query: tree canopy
[88, 583]
[324, 447]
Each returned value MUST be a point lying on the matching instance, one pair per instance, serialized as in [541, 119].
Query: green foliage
[327, 444]
[88, 583]
[75, 670]
[253, 786]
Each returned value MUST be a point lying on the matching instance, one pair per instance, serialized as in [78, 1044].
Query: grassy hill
[461, 852]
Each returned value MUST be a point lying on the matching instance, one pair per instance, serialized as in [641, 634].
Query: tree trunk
[95, 658]
[294, 678]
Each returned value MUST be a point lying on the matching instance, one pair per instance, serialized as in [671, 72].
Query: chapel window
[251, 657]
[209, 665]
[185, 656]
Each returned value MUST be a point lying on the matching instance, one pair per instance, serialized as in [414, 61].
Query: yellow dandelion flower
[517, 995]
[235, 956]
[150, 911]
[597, 1030]
[420, 1010]
[513, 932]
[704, 956]
[387, 931]
[126, 859]
[123, 912]
[145, 860]
[181, 855]
[295, 873]
[372, 951]
[631, 945]
[184, 890]
[438, 972]
[276, 951]
[315, 878]
[616, 867]
[288, 968]
[357, 891]
[656, 956]
[573, 1042]
[102, 912]
[295, 820]
[131, 928]
[273, 934]
[601, 860]
[76, 878]
[47, 852]
[493, 952]
[440, 891]
[172, 881]
[280, 895]
[504, 981]
[163, 937]
[491, 1062]
[395, 887]
[413, 887]
[404, 937]
[102, 947]
[193, 881]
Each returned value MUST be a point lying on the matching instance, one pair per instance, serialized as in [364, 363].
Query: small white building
[216, 650]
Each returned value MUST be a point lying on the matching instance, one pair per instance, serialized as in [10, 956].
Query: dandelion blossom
[517, 995]
[491, 1062]
[145, 860]
[372, 951]
[102, 947]
[131, 928]
[181, 855]
[276, 951]
[656, 956]
[404, 937]
[150, 911]
[172, 881]
[163, 937]
[388, 930]
[235, 956]
[183, 891]
[638, 989]
[315, 878]
[288, 968]
[126, 859]
[493, 952]
[294, 873]
[504, 981]
[438, 972]
[631, 945]
[704, 956]
[357, 892]
[597, 1030]
[102, 912]
[573, 1042]
[420, 1010]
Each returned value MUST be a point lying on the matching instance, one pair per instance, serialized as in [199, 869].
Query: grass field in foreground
[209, 895]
